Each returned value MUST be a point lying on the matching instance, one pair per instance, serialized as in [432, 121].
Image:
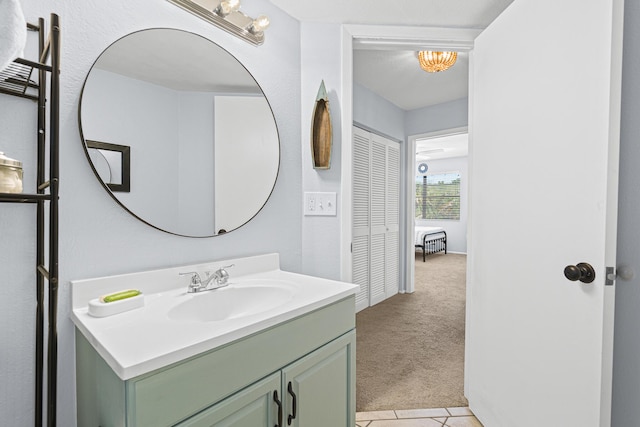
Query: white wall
[97, 237]
[320, 59]
[448, 115]
[456, 229]
[377, 114]
[171, 135]
[125, 111]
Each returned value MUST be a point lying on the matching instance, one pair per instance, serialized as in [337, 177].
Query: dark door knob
[583, 272]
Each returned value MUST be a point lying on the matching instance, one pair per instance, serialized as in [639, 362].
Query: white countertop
[144, 339]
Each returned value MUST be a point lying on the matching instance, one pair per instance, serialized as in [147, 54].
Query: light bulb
[259, 24]
[227, 6]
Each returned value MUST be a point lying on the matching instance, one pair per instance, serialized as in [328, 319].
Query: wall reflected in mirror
[203, 141]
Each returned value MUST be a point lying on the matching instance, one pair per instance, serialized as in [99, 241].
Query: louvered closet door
[360, 215]
[392, 218]
[376, 204]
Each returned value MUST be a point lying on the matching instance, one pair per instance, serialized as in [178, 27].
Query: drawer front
[167, 396]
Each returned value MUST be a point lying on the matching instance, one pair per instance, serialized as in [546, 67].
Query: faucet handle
[222, 276]
[195, 277]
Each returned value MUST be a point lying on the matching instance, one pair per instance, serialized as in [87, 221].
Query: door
[544, 127]
[384, 205]
[378, 230]
[392, 219]
[361, 223]
[320, 388]
[376, 202]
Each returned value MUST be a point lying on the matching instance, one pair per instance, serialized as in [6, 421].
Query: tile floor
[438, 417]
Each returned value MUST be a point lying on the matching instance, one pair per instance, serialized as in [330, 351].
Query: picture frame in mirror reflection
[112, 162]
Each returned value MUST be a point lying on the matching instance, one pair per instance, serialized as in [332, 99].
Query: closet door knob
[582, 271]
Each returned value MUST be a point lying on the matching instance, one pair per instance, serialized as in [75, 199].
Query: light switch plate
[320, 204]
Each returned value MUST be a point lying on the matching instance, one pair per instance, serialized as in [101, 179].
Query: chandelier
[434, 62]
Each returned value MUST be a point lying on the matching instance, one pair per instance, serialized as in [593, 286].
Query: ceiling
[432, 13]
[396, 75]
[442, 147]
[178, 60]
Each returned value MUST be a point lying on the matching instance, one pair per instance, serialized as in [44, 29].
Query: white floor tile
[422, 413]
[375, 415]
[416, 422]
[462, 422]
[456, 412]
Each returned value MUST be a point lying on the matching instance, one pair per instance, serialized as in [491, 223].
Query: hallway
[411, 346]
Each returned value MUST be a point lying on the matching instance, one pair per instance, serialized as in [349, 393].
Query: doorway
[395, 38]
[437, 155]
[411, 347]
[509, 352]
[407, 258]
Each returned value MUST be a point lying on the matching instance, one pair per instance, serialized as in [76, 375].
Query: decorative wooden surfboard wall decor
[321, 131]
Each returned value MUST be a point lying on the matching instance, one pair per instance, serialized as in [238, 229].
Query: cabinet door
[323, 386]
[251, 407]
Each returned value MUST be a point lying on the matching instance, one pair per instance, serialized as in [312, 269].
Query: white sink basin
[231, 302]
[176, 325]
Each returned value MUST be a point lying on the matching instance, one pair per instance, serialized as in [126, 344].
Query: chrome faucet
[220, 278]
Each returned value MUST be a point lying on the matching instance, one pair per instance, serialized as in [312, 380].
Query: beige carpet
[410, 347]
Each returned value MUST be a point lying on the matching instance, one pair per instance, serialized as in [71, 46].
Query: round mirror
[179, 132]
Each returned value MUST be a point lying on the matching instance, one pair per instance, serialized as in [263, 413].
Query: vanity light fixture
[433, 62]
[226, 15]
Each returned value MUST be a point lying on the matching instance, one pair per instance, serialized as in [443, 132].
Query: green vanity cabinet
[322, 385]
[320, 382]
[253, 406]
[311, 357]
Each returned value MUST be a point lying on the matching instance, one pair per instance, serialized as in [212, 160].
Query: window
[438, 196]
